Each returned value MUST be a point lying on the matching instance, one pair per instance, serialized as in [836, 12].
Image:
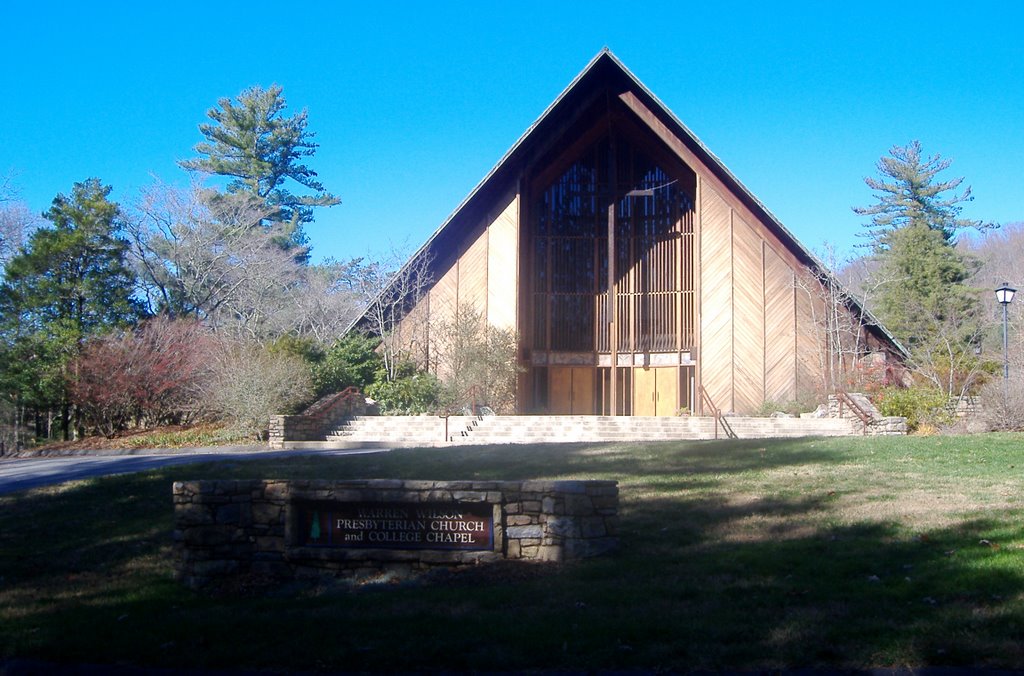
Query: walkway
[18, 474]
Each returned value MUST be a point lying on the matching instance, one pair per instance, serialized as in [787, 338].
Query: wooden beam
[652, 121]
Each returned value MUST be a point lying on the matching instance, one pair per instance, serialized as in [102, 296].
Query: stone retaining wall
[878, 427]
[313, 423]
[225, 529]
[294, 428]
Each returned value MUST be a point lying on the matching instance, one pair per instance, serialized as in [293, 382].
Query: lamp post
[1004, 296]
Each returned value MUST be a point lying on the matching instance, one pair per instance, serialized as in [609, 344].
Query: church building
[640, 275]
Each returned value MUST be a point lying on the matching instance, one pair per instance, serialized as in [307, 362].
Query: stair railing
[845, 400]
[719, 417]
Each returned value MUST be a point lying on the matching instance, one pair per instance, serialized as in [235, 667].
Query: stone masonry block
[269, 544]
[207, 536]
[192, 515]
[563, 526]
[579, 505]
[469, 496]
[520, 532]
[553, 553]
[229, 514]
[593, 527]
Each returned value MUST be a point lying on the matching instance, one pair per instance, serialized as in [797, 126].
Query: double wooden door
[572, 390]
[655, 391]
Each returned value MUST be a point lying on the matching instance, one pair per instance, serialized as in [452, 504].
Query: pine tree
[251, 141]
[908, 193]
[925, 300]
[70, 282]
[927, 286]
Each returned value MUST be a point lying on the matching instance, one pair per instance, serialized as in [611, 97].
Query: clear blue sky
[412, 103]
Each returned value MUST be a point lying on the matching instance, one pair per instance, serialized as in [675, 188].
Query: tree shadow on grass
[575, 460]
[753, 595]
[705, 578]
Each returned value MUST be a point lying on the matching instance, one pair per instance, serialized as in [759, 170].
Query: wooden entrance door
[655, 391]
[572, 390]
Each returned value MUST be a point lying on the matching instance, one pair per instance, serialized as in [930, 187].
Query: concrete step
[432, 430]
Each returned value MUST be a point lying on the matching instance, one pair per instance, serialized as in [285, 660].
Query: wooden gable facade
[635, 268]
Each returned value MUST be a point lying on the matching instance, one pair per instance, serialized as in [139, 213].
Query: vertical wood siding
[444, 296]
[759, 340]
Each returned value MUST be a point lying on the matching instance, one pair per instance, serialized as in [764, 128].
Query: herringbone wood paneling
[444, 296]
[748, 318]
[502, 263]
[809, 342]
[780, 329]
[716, 299]
[414, 331]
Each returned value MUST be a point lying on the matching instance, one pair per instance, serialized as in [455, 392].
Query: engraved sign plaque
[398, 525]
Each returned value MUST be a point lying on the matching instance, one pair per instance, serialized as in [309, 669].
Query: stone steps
[432, 430]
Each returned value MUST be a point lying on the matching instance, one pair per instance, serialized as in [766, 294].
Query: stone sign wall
[287, 529]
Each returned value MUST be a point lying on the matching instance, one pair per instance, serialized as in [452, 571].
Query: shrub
[351, 362]
[145, 377]
[1002, 404]
[921, 406]
[793, 408]
[305, 348]
[408, 395]
[249, 384]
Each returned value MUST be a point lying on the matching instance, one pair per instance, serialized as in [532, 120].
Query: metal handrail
[719, 417]
[844, 398]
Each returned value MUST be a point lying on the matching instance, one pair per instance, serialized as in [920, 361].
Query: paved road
[21, 473]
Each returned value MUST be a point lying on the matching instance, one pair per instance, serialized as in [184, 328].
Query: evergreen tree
[908, 193]
[925, 301]
[251, 141]
[70, 282]
[927, 286]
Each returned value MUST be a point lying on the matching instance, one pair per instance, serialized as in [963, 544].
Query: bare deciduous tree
[207, 255]
[475, 361]
[323, 303]
[17, 221]
[945, 364]
[392, 293]
[190, 249]
[840, 318]
[1000, 253]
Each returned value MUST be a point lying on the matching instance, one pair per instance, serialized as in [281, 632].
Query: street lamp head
[1004, 294]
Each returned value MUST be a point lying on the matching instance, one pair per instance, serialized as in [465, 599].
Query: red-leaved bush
[146, 377]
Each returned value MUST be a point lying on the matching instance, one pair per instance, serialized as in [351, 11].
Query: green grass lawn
[848, 553]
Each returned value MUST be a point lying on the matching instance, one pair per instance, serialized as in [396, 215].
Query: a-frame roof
[604, 70]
